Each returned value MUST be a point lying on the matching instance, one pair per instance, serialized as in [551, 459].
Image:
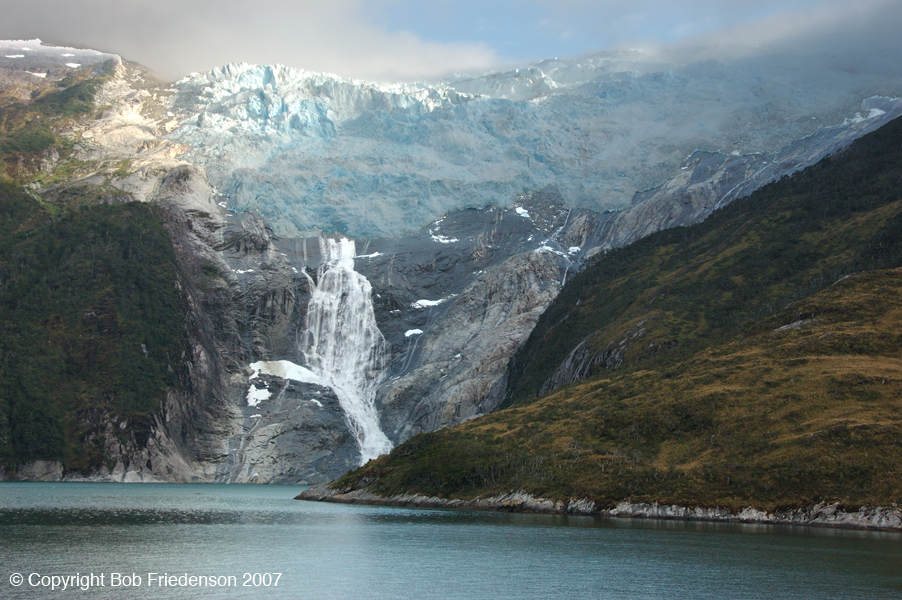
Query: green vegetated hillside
[29, 130]
[752, 359]
[91, 325]
[91, 318]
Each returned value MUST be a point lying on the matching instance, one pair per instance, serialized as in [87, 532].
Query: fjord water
[327, 551]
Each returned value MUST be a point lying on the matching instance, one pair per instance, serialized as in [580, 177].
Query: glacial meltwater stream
[343, 345]
[342, 552]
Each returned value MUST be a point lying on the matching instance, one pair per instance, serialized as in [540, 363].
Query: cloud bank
[176, 37]
[407, 40]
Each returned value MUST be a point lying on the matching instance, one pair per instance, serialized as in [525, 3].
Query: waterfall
[343, 345]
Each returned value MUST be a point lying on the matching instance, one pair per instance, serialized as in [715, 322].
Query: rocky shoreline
[819, 515]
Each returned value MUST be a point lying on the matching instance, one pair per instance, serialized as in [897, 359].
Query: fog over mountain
[313, 152]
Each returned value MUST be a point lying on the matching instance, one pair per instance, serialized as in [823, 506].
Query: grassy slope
[91, 320]
[712, 402]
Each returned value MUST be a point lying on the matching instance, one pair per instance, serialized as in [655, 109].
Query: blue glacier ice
[315, 152]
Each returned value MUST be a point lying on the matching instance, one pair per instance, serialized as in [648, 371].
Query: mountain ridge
[249, 288]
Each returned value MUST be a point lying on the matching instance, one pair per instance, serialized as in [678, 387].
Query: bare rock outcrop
[465, 354]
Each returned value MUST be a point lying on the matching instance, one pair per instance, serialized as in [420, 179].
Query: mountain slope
[110, 367]
[754, 359]
[675, 292]
[91, 324]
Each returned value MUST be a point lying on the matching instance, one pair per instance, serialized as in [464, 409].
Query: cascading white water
[343, 345]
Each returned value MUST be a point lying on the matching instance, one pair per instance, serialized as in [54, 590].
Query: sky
[408, 40]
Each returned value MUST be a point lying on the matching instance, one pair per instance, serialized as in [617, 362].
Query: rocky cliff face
[459, 298]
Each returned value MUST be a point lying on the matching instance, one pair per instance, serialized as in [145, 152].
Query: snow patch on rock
[442, 239]
[257, 395]
[285, 369]
[430, 303]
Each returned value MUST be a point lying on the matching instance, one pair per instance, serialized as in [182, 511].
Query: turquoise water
[326, 551]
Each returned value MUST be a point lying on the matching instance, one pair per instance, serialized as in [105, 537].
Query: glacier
[316, 153]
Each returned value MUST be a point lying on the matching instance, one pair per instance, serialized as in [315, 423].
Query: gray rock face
[457, 299]
[298, 435]
[252, 300]
[40, 470]
[247, 301]
[710, 180]
[456, 364]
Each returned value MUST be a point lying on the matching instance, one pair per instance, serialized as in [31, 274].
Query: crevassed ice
[313, 151]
